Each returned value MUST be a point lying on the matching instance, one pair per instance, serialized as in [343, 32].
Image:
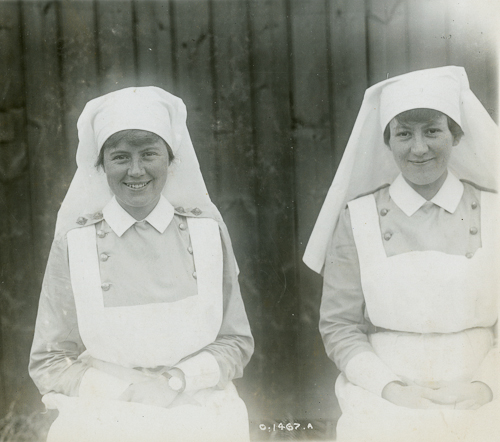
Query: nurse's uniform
[411, 286]
[140, 297]
[434, 314]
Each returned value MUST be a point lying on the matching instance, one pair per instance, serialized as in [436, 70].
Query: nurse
[141, 326]
[407, 242]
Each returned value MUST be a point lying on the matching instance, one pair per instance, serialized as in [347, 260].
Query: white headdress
[367, 163]
[145, 108]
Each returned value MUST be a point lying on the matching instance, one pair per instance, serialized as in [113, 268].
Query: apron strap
[207, 252]
[490, 221]
[84, 268]
[366, 228]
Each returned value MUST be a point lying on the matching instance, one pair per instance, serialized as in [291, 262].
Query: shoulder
[198, 213]
[189, 212]
[88, 219]
[381, 192]
[84, 220]
[470, 184]
[475, 194]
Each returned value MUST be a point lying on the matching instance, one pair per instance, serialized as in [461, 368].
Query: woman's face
[137, 175]
[422, 150]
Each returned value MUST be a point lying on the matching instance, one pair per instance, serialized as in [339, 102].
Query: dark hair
[423, 115]
[135, 137]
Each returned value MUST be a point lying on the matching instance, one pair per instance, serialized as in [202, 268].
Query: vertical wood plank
[155, 50]
[275, 178]
[49, 161]
[79, 65]
[10, 48]
[426, 31]
[349, 68]
[195, 86]
[18, 300]
[473, 42]
[388, 48]
[236, 170]
[314, 164]
[10, 98]
[116, 44]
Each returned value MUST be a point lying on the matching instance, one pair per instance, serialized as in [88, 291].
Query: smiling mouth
[137, 186]
[421, 162]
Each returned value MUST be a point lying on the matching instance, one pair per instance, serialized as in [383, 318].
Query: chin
[422, 179]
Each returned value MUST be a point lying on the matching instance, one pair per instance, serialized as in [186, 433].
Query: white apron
[151, 335]
[441, 308]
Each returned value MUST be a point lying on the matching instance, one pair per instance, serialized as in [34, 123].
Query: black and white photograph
[249, 220]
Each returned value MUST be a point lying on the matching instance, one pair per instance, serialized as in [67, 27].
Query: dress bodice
[426, 291]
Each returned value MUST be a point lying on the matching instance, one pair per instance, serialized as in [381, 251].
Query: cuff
[201, 371]
[488, 372]
[97, 383]
[366, 370]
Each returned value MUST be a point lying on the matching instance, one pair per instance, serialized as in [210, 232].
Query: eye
[403, 134]
[433, 131]
[119, 157]
[149, 154]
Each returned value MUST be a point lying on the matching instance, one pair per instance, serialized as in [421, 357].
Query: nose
[136, 168]
[419, 145]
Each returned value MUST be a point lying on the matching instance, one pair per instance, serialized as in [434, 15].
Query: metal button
[194, 275]
[469, 255]
[106, 286]
[104, 257]
[196, 211]
[473, 204]
[190, 250]
[384, 212]
[387, 236]
[182, 226]
[97, 215]
[180, 209]
[473, 230]
[101, 233]
[81, 220]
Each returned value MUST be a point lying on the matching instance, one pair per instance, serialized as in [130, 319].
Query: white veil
[367, 163]
[146, 108]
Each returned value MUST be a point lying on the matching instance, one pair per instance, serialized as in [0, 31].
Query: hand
[409, 396]
[152, 391]
[462, 395]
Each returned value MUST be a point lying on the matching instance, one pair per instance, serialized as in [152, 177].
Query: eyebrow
[408, 125]
[140, 149]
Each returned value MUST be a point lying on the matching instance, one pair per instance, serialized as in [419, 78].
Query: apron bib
[437, 310]
[150, 335]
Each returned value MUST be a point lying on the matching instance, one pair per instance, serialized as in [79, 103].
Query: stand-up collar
[409, 201]
[120, 220]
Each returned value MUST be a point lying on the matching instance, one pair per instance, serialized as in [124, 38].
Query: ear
[457, 139]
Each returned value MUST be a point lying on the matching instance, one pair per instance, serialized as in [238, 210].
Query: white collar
[409, 201]
[120, 220]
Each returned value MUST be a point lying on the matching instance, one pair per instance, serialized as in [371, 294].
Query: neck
[139, 213]
[428, 191]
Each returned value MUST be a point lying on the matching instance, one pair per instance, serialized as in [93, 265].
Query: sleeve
[343, 324]
[58, 361]
[488, 371]
[54, 364]
[224, 359]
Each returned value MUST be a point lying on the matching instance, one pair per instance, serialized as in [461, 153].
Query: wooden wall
[272, 89]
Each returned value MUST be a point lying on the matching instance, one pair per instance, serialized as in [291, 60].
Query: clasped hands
[145, 389]
[150, 391]
[457, 395]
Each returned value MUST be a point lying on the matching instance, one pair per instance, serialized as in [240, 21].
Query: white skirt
[427, 360]
[222, 416]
